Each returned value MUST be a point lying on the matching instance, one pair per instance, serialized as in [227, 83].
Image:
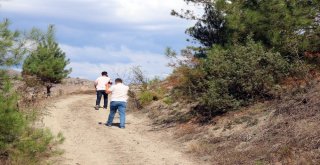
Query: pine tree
[47, 62]
[286, 26]
[11, 45]
[290, 27]
[12, 121]
[210, 29]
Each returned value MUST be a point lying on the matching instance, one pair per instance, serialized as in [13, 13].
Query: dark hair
[104, 73]
[118, 80]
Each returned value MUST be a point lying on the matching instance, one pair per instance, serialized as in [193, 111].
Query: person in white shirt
[100, 85]
[119, 97]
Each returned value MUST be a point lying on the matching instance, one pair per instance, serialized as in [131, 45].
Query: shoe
[122, 127]
[97, 107]
[108, 125]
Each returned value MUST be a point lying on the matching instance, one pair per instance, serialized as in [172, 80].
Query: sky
[107, 35]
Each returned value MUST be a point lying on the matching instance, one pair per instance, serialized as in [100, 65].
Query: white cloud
[153, 64]
[102, 11]
[136, 24]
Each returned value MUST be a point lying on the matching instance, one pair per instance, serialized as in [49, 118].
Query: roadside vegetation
[249, 51]
[21, 140]
[247, 92]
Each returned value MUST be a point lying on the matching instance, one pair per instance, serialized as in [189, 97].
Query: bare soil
[90, 142]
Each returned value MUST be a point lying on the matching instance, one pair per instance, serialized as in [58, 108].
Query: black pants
[101, 93]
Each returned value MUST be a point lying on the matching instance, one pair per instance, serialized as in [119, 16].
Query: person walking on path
[119, 97]
[100, 85]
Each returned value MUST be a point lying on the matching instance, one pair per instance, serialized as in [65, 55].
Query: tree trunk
[49, 90]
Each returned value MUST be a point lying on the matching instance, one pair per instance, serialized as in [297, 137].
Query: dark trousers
[101, 93]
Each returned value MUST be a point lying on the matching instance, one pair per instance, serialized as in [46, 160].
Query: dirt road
[90, 143]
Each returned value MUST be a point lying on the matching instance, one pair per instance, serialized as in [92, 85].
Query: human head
[118, 80]
[104, 73]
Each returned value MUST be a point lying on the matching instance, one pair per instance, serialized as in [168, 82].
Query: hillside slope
[284, 131]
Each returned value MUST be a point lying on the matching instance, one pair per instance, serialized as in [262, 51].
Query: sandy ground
[88, 142]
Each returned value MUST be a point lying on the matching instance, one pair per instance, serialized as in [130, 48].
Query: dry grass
[283, 132]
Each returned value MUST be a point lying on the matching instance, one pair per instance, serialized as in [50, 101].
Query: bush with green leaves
[234, 77]
[12, 121]
[20, 142]
[146, 97]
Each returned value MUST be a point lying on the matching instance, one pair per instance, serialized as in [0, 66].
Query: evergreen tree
[11, 45]
[210, 29]
[47, 62]
[290, 27]
[287, 26]
[12, 121]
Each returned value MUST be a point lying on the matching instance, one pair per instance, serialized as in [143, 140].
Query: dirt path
[90, 143]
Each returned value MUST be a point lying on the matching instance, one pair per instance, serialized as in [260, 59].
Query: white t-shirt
[119, 92]
[101, 82]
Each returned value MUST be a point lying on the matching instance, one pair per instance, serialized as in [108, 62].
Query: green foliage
[210, 29]
[290, 27]
[287, 26]
[11, 45]
[35, 146]
[233, 77]
[146, 97]
[229, 70]
[20, 142]
[48, 62]
[168, 100]
[153, 91]
[12, 121]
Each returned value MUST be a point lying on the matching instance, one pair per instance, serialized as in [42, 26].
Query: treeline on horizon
[248, 50]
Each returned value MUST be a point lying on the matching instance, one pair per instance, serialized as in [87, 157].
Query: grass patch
[168, 100]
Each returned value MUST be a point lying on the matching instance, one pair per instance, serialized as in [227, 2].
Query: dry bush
[186, 129]
[201, 148]
[276, 132]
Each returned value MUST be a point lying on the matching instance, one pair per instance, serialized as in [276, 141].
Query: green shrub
[146, 97]
[153, 92]
[20, 142]
[35, 146]
[160, 92]
[234, 77]
[168, 100]
[12, 121]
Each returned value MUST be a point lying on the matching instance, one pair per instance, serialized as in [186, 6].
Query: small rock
[205, 158]
[175, 104]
